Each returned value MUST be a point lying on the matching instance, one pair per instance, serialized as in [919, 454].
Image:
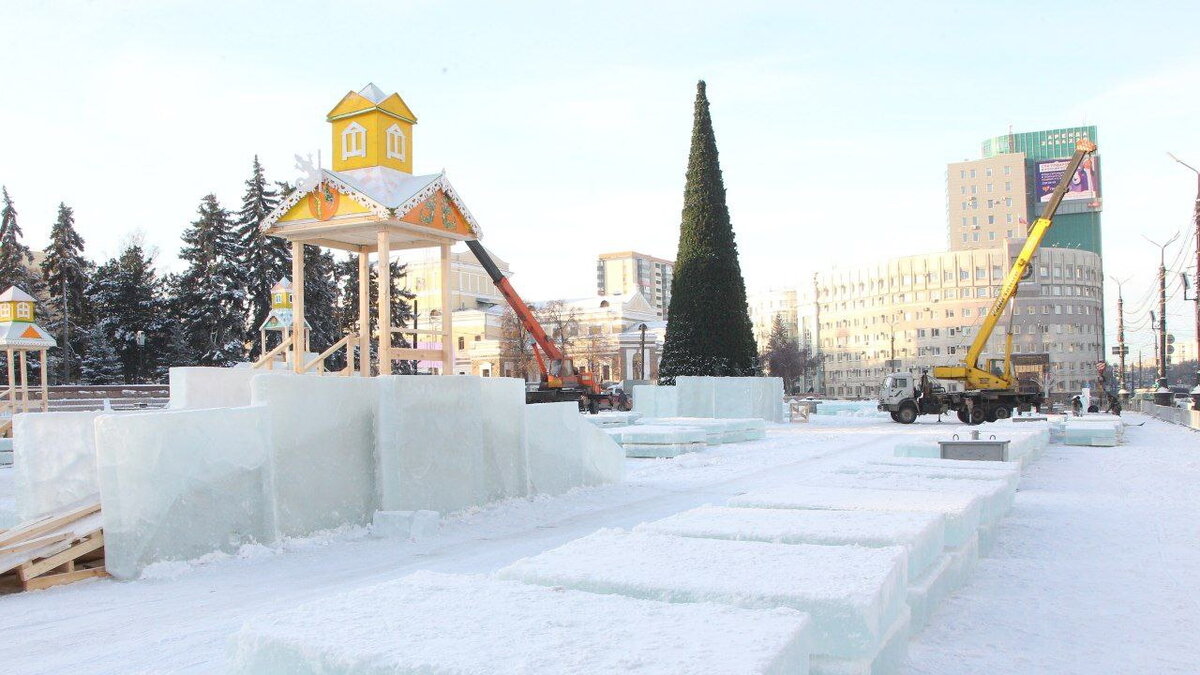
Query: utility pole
[1196, 300]
[1162, 395]
[817, 329]
[1123, 393]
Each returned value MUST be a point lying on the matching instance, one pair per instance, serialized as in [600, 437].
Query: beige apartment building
[631, 272]
[470, 286]
[985, 201]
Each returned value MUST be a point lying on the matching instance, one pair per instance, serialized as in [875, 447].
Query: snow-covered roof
[25, 336]
[14, 294]
[284, 284]
[387, 185]
[372, 93]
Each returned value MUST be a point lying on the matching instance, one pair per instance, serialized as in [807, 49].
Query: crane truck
[992, 393]
[561, 380]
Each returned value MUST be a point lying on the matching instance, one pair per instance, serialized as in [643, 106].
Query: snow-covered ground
[1094, 570]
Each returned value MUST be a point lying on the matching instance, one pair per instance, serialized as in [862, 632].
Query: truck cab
[896, 388]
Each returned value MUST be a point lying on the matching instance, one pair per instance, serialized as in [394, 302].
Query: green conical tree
[708, 324]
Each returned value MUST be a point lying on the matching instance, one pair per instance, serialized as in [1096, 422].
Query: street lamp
[1162, 395]
[140, 339]
[1196, 218]
[642, 352]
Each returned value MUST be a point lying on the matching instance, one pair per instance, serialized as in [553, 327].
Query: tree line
[206, 315]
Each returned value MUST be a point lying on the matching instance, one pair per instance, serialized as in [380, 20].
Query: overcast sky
[565, 125]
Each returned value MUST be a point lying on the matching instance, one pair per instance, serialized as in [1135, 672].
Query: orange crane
[561, 380]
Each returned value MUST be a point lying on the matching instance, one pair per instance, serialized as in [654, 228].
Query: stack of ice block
[721, 397]
[613, 418]
[717, 431]
[1025, 443]
[850, 409]
[922, 535]
[6, 451]
[855, 596]
[436, 623]
[1094, 430]
[646, 440]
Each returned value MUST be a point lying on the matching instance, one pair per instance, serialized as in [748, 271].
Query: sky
[565, 125]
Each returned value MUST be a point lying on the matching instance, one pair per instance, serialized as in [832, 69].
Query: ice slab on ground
[54, 460]
[195, 388]
[439, 623]
[962, 511]
[1095, 432]
[889, 658]
[717, 431]
[849, 409]
[322, 439]
[730, 397]
[566, 452]
[928, 591]
[613, 418]
[852, 594]
[995, 496]
[922, 535]
[430, 440]
[647, 433]
[1010, 479]
[660, 450]
[177, 485]
[936, 462]
[415, 525]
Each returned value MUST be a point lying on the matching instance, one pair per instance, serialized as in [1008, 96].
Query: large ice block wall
[179, 484]
[566, 452]
[55, 460]
[194, 388]
[321, 432]
[720, 397]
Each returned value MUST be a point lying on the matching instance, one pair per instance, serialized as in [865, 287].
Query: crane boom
[524, 314]
[975, 377]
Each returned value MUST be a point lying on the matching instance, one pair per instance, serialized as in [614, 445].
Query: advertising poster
[1084, 185]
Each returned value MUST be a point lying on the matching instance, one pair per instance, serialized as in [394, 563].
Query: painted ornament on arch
[323, 201]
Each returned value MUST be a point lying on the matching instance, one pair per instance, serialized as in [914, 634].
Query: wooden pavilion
[371, 203]
[19, 335]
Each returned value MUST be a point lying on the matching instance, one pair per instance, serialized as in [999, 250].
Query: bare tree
[594, 348]
[516, 346]
[561, 323]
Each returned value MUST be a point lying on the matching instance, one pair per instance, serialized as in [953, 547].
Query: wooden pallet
[59, 548]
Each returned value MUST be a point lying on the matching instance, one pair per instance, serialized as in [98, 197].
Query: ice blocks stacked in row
[436, 623]
[57, 466]
[644, 440]
[1095, 429]
[849, 409]
[854, 596]
[718, 397]
[717, 431]
[610, 419]
[317, 453]
[1026, 442]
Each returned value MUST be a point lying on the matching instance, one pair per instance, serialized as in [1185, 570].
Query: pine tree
[320, 302]
[264, 259]
[212, 289]
[125, 294]
[103, 365]
[15, 257]
[782, 356]
[177, 349]
[66, 274]
[708, 327]
[402, 315]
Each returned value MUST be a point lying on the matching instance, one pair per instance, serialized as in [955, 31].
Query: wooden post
[447, 316]
[45, 384]
[298, 306]
[385, 303]
[24, 381]
[12, 379]
[364, 312]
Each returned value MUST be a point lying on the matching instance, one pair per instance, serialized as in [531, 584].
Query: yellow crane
[987, 394]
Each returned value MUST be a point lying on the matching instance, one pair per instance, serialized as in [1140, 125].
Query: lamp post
[140, 339]
[1122, 382]
[1162, 395]
[1196, 222]
[642, 352]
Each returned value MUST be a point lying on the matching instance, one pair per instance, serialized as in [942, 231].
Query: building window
[396, 142]
[462, 343]
[1007, 171]
[991, 220]
[988, 172]
[1008, 201]
[354, 141]
[972, 174]
[991, 236]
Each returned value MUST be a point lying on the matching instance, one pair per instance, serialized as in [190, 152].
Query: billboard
[1085, 185]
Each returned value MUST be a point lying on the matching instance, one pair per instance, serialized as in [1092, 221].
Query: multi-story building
[631, 272]
[470, 286]
[915, 312]
[766, 306]
[997, 196]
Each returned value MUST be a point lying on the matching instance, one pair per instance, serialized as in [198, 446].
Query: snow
[181, 484]
[852, 594]
[921, 535]
[414, 525]
[1091, 572]
[430, 622]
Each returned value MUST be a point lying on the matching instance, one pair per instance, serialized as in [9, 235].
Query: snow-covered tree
[66, 274]
[16, 259]
[402, 316]
[212, 290]
[103, 364]
[125, 294]
[264, 260]
[320, 300]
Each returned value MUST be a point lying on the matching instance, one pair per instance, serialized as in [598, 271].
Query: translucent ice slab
[176, 485]
[54, 460]
[996, 497]
[922, 535]
[961, 510]
[566, 452]
[852, 594]
[436, 623]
